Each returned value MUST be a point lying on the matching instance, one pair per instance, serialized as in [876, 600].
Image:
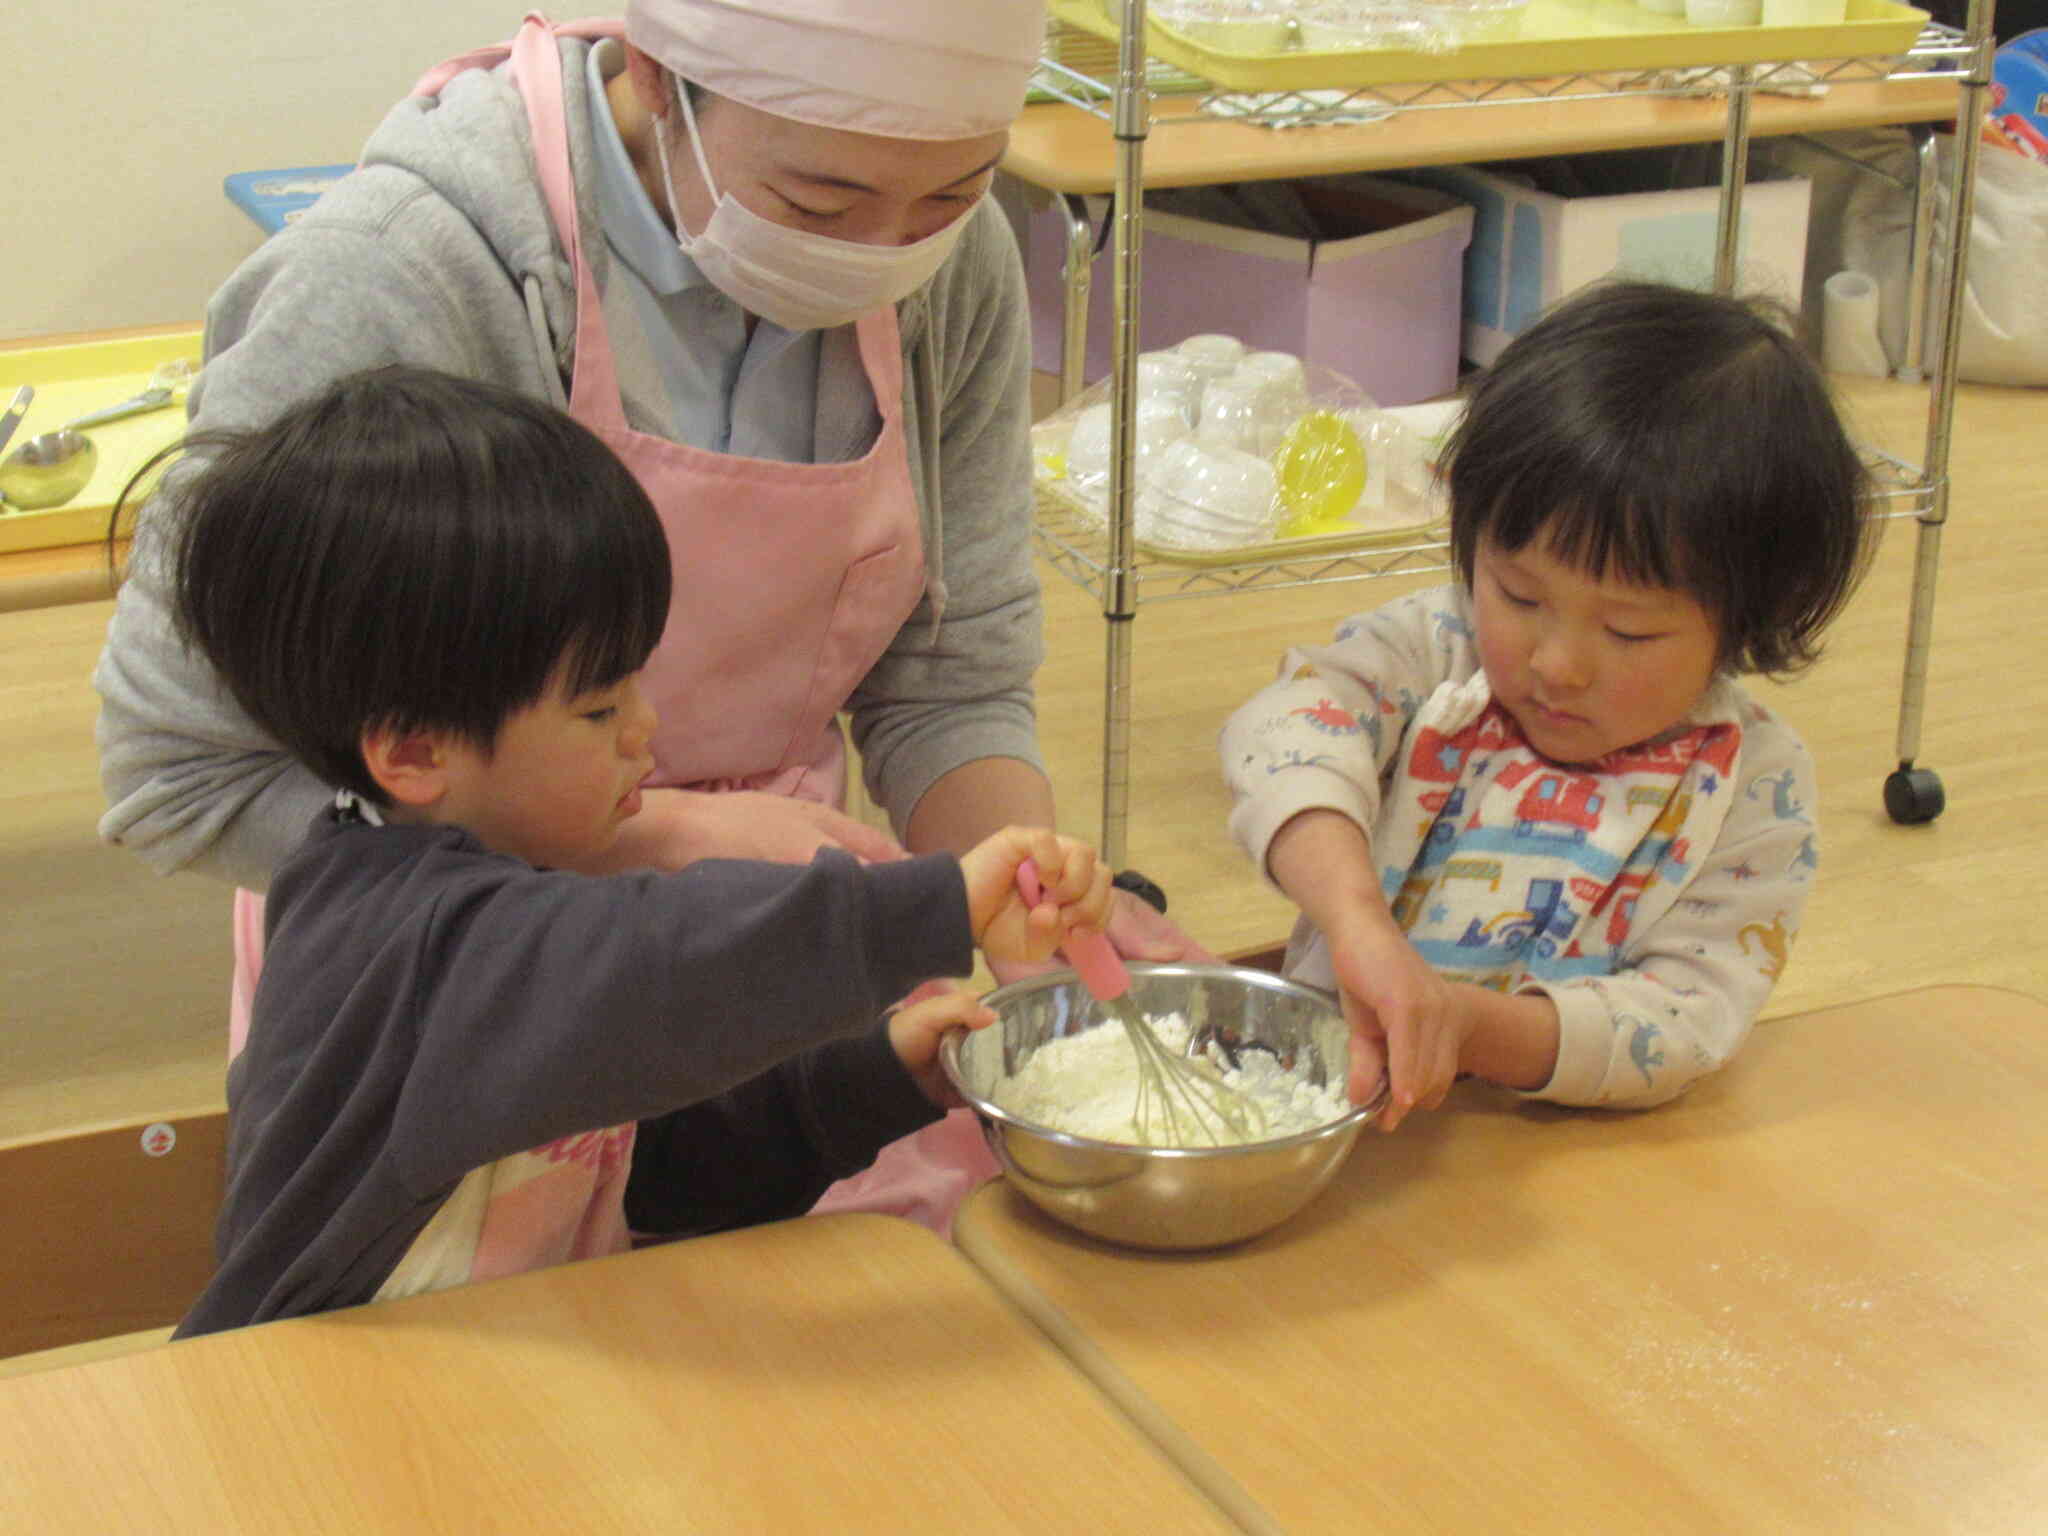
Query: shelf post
[1946, 333]
[1131, 123]
[1734, 174]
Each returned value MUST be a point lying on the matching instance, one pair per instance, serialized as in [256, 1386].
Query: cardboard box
[1367, 284]
[1530, 248]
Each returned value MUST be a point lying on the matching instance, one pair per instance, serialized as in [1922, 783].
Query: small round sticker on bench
[158, 1138]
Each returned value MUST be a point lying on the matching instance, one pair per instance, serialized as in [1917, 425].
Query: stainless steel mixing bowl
[1163, 1197]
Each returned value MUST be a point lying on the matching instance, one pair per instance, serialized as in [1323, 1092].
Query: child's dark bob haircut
[1671, 439]
[412, 550]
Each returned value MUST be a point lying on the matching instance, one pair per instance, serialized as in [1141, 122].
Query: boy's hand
[1138, 930]
[918, 1025]
[1074, 893]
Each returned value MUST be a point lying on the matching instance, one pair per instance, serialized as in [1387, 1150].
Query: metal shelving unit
[1105, 560]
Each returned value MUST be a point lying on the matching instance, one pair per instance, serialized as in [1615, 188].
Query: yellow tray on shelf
[70, 379]
[1556, 37]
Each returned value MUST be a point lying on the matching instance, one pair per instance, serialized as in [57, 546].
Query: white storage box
[1530, 248]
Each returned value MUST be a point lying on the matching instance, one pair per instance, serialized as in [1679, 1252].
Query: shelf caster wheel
[1914, 795]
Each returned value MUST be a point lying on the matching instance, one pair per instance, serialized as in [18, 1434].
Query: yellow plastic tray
[70, 380]
[1556, 37]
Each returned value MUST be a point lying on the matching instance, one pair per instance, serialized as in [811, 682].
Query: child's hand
[1425, 1032]
[1137, 931]
[1404, 1020]
[1074, 893]
[917, 1027]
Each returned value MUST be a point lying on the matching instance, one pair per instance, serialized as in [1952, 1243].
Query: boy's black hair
[1675, 439]
[413, 550]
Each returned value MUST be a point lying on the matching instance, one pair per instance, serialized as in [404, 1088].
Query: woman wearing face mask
[748, 243]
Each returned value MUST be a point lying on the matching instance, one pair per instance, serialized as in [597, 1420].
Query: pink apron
[789, 582]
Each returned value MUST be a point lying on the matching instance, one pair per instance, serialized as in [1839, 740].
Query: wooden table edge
[905, 1236]
[1067, 149]
[1885, 998]
[1094, 1364]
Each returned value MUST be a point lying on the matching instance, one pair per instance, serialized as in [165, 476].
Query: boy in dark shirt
[467, 1058]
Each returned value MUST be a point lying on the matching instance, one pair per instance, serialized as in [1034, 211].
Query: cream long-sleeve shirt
[1651, 896]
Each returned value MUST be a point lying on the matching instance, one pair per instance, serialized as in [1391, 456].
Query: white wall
[123, 117]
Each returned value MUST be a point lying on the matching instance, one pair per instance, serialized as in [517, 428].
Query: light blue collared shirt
[727, 392]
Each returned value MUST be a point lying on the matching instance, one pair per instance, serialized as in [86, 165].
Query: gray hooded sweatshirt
[439, 251]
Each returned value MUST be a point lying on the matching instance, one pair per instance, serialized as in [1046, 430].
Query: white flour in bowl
[1086, 1084]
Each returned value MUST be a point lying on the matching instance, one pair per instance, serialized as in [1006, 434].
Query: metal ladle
[52, 467]
[48, 470]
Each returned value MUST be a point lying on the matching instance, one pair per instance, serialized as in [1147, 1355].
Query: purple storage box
[1375, 293]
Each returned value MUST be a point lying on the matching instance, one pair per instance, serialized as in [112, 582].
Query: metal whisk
[1182, 1101]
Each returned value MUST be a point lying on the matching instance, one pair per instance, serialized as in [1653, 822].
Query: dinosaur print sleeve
[1324, 734]
[1692, 980]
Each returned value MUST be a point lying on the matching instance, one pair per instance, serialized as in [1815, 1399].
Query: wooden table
[1807, 1297]
[42, 578]
[844, 1373]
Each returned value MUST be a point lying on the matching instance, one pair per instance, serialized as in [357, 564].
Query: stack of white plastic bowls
[1204, 496]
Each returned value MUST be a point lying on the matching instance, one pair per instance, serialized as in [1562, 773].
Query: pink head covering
[910, 69]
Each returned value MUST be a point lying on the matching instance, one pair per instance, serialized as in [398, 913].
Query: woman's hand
[1140, 931]
[676, 827]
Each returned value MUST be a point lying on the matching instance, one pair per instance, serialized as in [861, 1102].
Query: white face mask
[799, 280]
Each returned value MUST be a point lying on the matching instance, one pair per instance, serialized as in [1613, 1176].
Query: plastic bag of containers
[2004, 332]
[1864, 223]
[2004, 329]
[1235, 449]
